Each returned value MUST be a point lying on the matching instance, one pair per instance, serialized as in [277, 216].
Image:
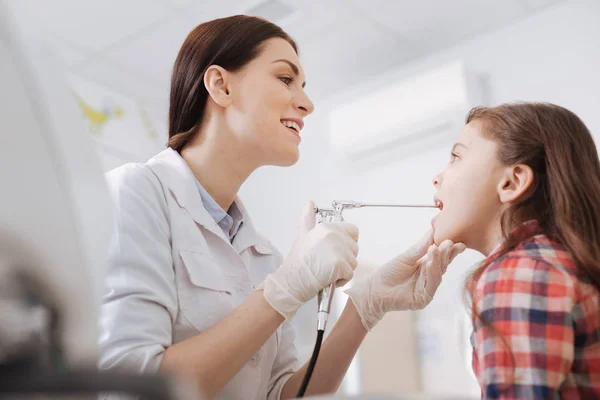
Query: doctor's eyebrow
[293, 66]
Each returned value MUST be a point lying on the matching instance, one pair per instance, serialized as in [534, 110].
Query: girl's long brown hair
[565, 197]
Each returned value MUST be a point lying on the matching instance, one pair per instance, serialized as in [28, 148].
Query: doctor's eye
[454, 157]
[286, 79]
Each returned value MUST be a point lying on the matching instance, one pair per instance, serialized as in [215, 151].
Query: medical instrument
[340, 205]
[325, 296]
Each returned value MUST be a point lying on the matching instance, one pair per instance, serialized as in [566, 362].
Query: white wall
[553, 56]
[124, 129]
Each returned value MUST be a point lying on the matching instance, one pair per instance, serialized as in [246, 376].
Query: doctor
[192, 289]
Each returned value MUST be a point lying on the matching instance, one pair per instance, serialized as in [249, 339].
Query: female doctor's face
[467, 191]
[269, 104]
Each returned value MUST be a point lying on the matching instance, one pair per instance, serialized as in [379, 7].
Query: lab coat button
[255, 360]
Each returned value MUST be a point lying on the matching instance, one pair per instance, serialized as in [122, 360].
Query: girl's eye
[286, 79]
[453, 157]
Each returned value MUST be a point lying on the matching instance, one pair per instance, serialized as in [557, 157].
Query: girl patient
[523, 188]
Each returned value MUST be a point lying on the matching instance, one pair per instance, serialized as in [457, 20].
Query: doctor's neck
[219, 162]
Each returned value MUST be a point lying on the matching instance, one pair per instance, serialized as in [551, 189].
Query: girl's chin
[440, 235]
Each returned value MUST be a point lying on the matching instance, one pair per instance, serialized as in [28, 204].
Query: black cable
[311, 364]
[87, 382]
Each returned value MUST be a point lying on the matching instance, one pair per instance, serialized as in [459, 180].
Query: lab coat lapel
[176, 175]
[247, 235]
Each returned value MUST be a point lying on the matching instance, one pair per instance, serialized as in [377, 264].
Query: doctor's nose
[304, 104]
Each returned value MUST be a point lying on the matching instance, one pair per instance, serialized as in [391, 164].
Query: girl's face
[470, 192]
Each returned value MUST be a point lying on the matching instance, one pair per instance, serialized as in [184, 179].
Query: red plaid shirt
[547, 313]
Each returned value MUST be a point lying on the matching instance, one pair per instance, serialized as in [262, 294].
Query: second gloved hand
[321, 255]
[407, 282]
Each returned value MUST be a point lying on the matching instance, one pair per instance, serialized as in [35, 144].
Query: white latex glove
[407, 282]
[321, 255]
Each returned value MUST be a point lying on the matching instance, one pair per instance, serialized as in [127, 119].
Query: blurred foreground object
[55, 226]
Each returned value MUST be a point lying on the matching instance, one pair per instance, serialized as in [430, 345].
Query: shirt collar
[525, 230]
[237, 219]
[230, 222]
[210, 204]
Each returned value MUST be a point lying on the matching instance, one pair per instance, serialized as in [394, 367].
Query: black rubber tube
[311, 364]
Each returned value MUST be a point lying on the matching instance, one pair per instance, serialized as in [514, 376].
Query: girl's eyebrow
[459, 144]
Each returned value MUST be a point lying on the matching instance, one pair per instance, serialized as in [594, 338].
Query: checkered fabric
[547, 313]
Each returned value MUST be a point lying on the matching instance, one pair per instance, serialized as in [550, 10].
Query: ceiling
[130, 45]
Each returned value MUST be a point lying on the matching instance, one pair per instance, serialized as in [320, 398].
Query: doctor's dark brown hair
[230, 43]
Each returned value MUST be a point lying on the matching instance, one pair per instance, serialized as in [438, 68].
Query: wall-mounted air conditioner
[404, 117]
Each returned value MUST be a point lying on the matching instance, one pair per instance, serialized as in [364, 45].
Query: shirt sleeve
[139, 302]
[286, 360]
[528, 303]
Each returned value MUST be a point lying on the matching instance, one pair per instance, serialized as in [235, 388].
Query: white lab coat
[173, 273]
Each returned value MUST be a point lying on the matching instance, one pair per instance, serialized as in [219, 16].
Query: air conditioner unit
[405, 117]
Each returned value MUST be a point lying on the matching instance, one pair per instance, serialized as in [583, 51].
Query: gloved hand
[407, 282]
[321, 255]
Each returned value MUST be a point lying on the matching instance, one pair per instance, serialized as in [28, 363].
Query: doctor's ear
[216, 81]
[515, 183]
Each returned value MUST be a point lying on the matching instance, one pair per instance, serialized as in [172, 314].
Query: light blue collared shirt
[229, 222]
